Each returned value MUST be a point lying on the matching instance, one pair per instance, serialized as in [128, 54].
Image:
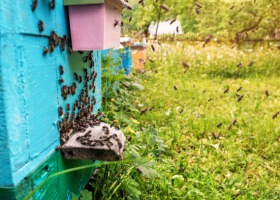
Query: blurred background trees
[260, 17]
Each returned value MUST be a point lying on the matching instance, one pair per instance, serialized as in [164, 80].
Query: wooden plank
[100, 142]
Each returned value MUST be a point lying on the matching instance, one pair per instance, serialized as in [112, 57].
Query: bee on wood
[46, 50]
[219, 125]
[88, 134]
[275, 115]
[61, 70]
[52, 4]
[34, 5]
[60, 81]
[116, 22]
[41, 26]
[86, 59]
[226, 90]
[67, 107]
[60, 111]
[105, 129]
[239, 89]
[76, 76]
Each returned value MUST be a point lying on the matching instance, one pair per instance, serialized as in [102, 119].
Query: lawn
[208, 128]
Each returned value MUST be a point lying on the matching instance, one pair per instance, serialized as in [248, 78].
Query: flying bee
[172, 21]
[226, 90]
[60, 111]
[116, 22]
[216, 137]
[165, 8]
[41, 26]
[275, 115]
[34, 5]
[219, 125]
[240, 98]
[239, 89]
[61, 70]
[251, 64]
[267, 93]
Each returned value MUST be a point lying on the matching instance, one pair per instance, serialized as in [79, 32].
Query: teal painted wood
[29, 90]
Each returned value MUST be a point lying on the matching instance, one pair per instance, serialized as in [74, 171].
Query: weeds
[185, 133]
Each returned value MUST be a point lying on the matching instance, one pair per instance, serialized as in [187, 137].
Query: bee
[116, 22]
[275, 115]
[239, 89]
[216, 137]
[219, 125]
[210, 99]
[251, 64]
[46, 50]
[41, 26]
[198, 5]
[34, 5]
[177, 29]
[151, 108]
[60, 111]
[164, 7]
[233, 47]
[186, 65]
[226, 90]
[52, 4]
[67, 107]
[197, 11]
[87, 134]
[239, 65]
[86, 59]
[231, 7]
[130, 18]
[60, 81]
[203, 91]
[172, 21]
[175, 87]
[153, 48]
[230, 23]
[143, 111]
[182, 110]
[76, 76]
[217, 12]
[61, 70]
[91, 64]
[232, 124]
[141, 2]
[240, 98]
[80, 79]
[267, 93]
[105, 129]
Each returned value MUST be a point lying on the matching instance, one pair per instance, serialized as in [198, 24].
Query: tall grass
[173, 122]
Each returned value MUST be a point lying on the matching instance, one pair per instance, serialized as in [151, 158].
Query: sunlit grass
[173, 123]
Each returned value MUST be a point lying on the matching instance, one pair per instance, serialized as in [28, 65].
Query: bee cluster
[78, 116]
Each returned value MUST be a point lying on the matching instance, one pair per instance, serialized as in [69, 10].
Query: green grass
[178, 131]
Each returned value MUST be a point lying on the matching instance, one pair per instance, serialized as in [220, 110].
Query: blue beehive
[30, 95]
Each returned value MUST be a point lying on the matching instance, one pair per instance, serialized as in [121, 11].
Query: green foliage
[261, 16]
